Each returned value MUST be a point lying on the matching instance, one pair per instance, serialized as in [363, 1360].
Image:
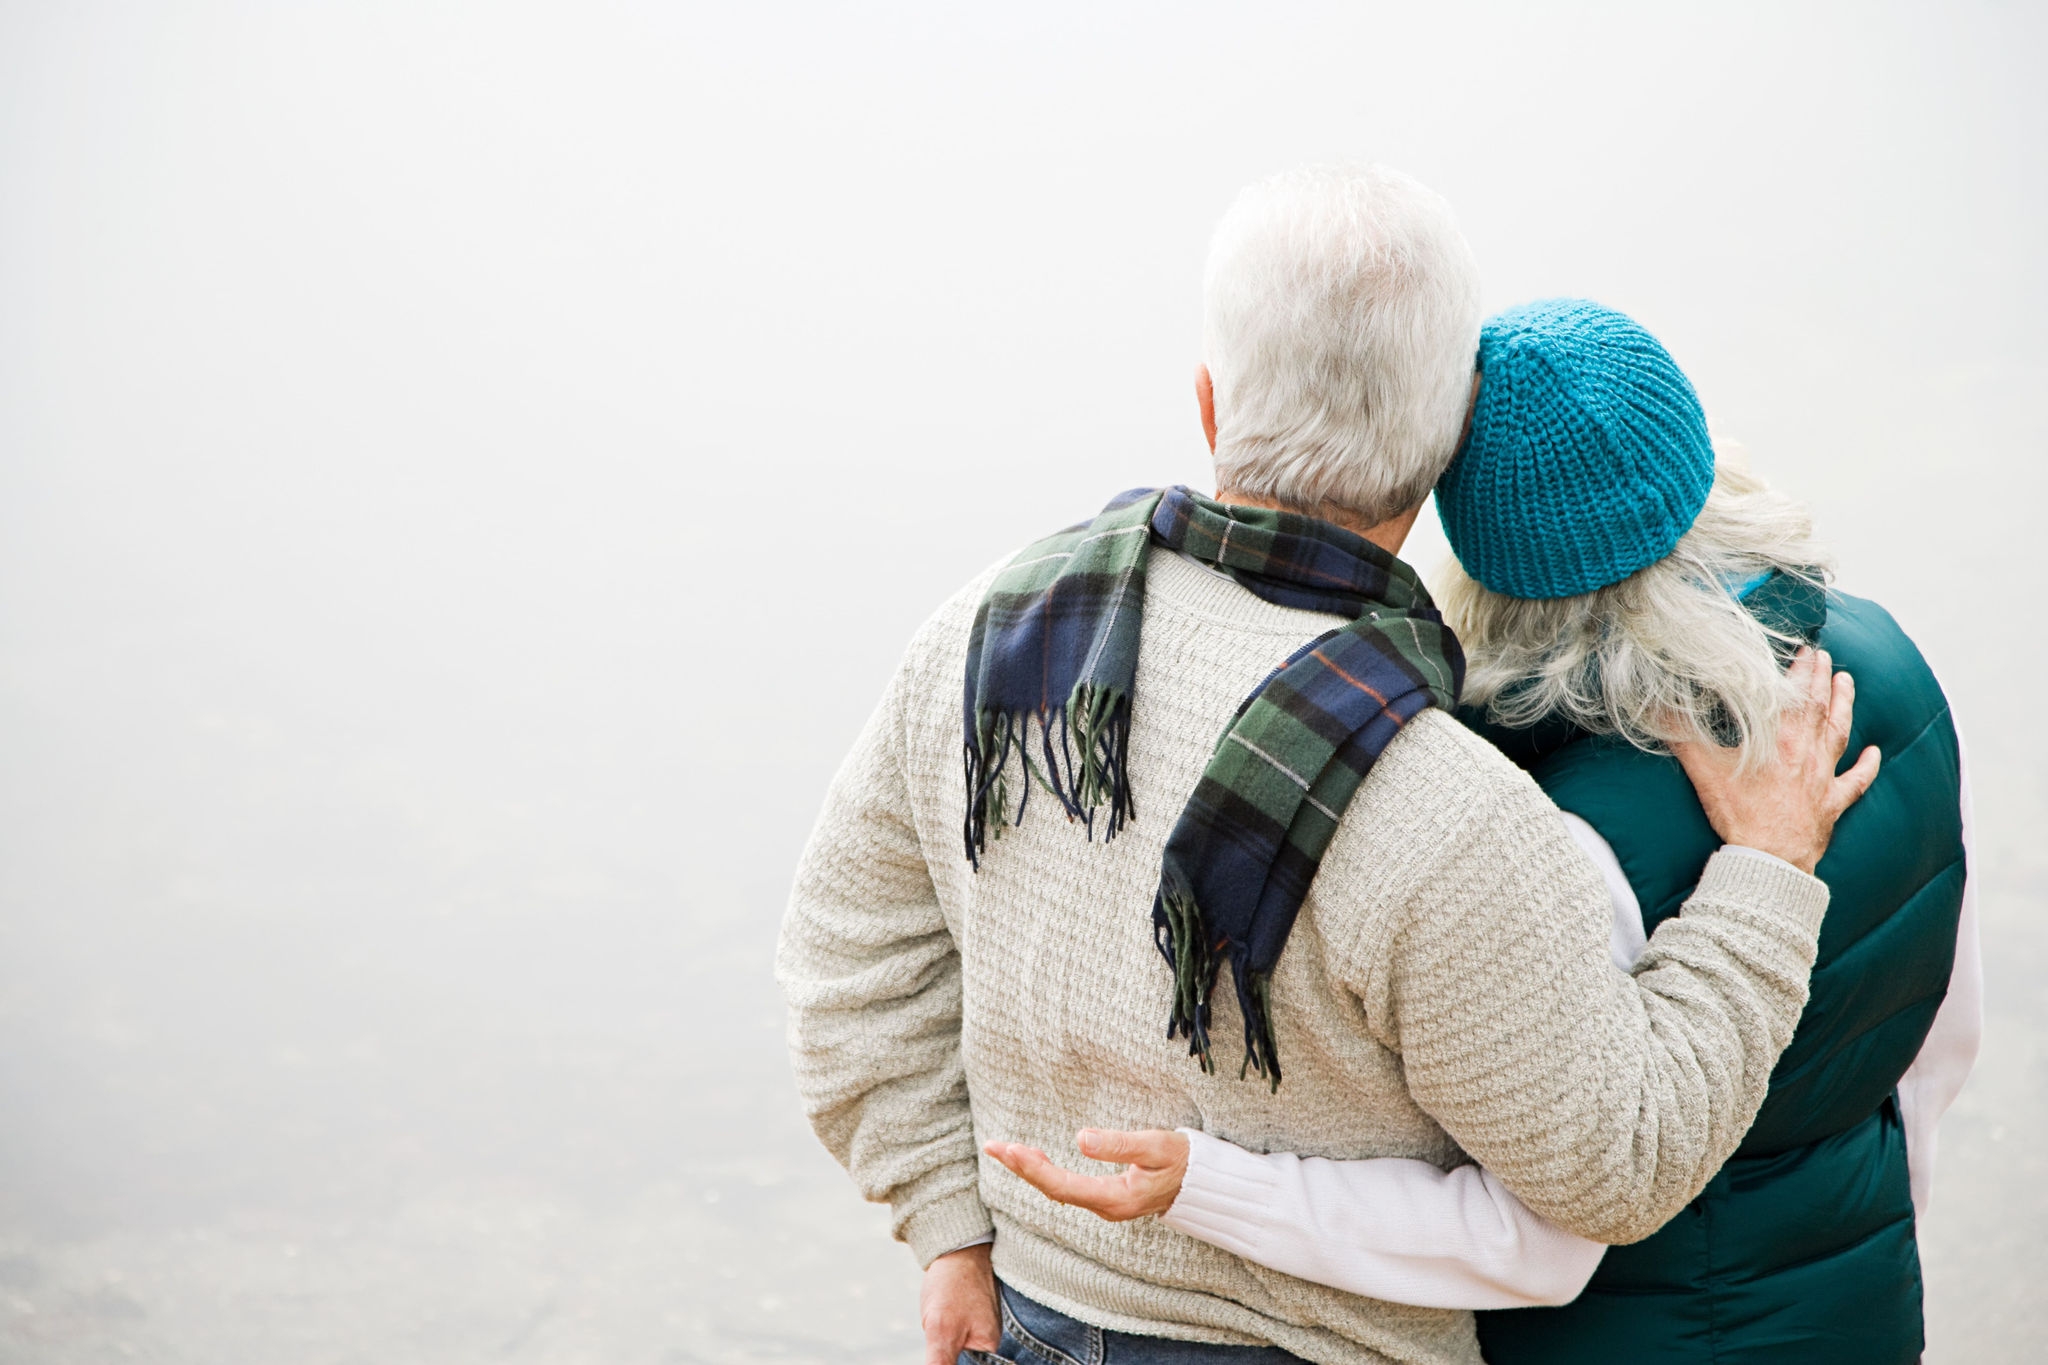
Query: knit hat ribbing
[1588, 456]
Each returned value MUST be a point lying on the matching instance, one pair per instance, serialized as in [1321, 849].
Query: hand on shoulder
[1787, 806]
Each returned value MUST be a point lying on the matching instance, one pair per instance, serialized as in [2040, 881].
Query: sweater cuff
[1758, 881]
[958, 1220]
[1226, 1195]
[1745, 851]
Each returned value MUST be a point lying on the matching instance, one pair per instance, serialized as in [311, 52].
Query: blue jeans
[1036, 1335]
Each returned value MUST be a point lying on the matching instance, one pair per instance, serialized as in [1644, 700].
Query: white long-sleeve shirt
[1406, 1232]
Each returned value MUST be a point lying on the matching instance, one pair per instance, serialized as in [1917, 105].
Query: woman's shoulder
[1897, 695]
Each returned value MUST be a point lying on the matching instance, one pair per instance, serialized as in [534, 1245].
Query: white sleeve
[1627, 941]
[1936, 1077]
[1394, 1229]
[1387, 1228]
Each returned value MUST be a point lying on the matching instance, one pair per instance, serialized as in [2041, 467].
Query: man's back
[1448, 969]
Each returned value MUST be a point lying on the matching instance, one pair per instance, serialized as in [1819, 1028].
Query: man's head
[1340, 324]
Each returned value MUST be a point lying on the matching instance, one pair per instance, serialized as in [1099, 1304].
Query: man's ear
[1205, 397]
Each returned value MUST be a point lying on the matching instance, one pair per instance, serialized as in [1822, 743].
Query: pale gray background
[466, 472]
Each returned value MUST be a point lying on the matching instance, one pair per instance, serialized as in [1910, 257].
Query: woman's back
[1802, 1248]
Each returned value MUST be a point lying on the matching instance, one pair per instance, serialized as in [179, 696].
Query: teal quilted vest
[1801, 1250]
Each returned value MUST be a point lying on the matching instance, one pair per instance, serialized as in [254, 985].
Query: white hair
[1341, 330]
[1668, 653]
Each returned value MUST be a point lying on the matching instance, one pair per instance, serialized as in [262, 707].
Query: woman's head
[1602, 548]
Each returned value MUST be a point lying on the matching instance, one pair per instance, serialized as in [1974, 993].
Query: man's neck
[1390, 535]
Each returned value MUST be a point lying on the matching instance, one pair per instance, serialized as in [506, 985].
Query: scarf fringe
[1084, 765]
[1183, 940]
[1255, 1004]
[988, 794]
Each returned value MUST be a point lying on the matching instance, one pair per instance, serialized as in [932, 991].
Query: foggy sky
[466, 472]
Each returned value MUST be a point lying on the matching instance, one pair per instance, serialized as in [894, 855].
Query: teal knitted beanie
[1588, 456]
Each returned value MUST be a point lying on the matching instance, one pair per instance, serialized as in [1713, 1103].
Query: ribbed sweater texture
[1446, 995]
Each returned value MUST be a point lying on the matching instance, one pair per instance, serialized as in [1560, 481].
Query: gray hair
[1668, 653]
[1340, 327]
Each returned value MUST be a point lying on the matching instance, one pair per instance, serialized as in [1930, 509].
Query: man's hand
[1789, 806]
[958, 1306]
[1157, 1163]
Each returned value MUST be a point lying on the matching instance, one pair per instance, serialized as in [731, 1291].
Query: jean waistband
[1037, 1335]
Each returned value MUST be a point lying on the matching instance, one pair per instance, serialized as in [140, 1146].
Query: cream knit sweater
[1446, 993]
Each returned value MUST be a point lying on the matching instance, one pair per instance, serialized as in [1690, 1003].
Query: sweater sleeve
[1604, 1101]
[1388, 1228]
[872, 977]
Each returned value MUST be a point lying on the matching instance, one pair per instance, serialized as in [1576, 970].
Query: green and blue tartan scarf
[1056, 641]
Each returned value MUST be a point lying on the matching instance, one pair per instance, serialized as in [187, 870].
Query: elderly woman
[1618, 591]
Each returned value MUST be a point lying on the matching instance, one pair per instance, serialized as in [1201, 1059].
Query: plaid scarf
[1056, 640]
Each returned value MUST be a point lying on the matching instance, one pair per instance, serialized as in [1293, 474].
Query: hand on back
[958, 1303]
[1156, 1163]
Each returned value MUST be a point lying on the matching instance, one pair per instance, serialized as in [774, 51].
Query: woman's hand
[1156, 1163]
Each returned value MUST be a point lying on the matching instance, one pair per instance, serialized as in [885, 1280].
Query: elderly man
[962, 969]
